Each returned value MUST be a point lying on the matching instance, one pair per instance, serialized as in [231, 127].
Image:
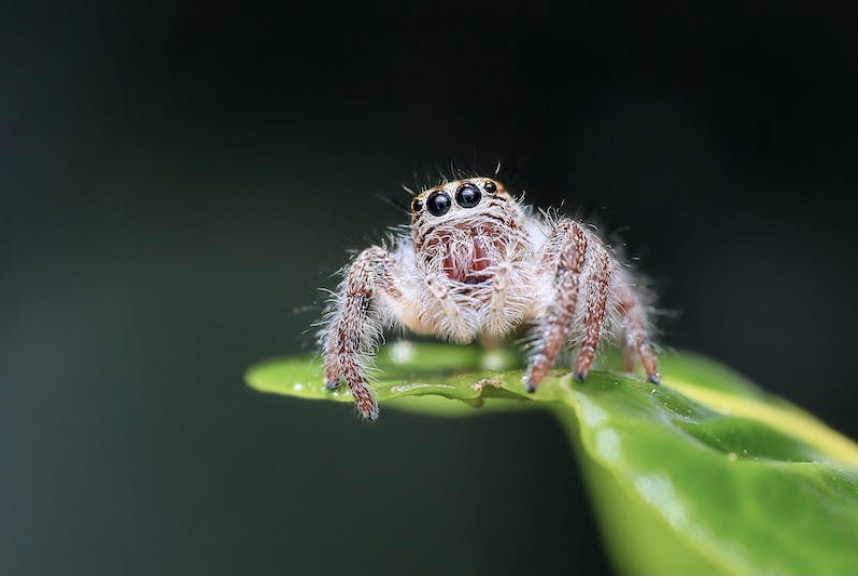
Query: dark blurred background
[178, 180]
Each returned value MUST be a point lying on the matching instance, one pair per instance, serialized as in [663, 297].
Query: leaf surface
[704, 474]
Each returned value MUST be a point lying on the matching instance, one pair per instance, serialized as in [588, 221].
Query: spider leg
[356, 321]
[637, 340]
[567, 248]
[594, 319]
[496, 313]
[440, 291]
[628, 353]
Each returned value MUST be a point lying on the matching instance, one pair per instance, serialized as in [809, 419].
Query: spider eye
[438, 203]
[468, 195]
[416, 205]
[490, 187]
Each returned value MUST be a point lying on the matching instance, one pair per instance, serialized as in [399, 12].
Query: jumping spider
[479, 264]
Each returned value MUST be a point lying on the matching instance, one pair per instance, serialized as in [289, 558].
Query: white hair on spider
[477, 263]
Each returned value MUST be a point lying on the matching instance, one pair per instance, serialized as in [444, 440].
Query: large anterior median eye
[468, 195]
[438, 203]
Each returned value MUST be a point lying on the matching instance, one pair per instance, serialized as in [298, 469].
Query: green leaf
[705, 474]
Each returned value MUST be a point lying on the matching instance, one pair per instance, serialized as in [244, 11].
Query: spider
[479, 264]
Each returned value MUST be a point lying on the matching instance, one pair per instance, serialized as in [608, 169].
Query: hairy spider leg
[356, 324]
[637, 340]
[561, 313]
[628, 352]
[594, 319]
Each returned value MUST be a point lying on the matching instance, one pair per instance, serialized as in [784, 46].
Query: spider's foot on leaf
[654, 378]
[332, 384]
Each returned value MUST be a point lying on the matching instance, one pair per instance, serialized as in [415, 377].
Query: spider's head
[463, 228]
[462, 201]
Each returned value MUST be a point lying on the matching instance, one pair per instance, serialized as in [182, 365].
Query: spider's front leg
[356, 321]
[570, 250]
[564, 252]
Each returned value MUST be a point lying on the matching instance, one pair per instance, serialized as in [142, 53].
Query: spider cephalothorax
[479, 264]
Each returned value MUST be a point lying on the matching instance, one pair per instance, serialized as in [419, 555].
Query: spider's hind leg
[628, 354]
[636, 340]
